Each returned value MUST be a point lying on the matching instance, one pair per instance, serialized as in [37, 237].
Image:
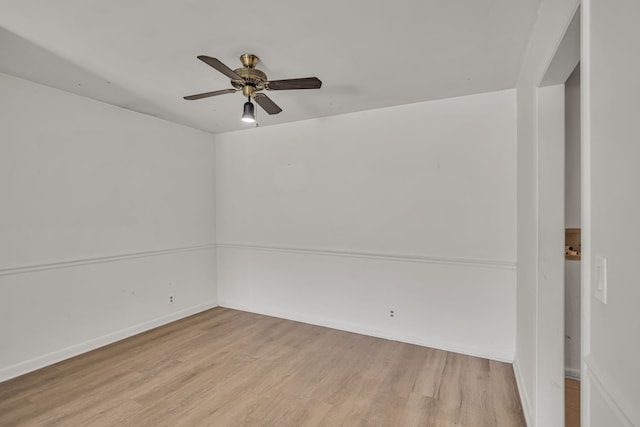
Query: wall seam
[99, 260]
[467, 262]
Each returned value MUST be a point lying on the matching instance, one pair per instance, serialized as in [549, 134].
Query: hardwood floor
[229, 368]
[571, 403]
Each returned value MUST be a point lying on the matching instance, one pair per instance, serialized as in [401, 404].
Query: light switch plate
[600, 285]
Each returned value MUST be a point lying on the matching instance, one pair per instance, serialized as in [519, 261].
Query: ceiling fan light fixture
[248, 114]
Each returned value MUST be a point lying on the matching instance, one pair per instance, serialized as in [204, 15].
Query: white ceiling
[141, 54]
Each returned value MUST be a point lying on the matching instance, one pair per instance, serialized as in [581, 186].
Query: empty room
[409, 213]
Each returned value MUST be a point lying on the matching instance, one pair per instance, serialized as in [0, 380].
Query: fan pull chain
[256, 116]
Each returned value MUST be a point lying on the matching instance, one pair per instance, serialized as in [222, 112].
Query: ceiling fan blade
[267, 104]
[215, 63]
[304, 83]
[208, 94]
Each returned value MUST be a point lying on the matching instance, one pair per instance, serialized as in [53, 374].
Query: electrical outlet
[171, 299]
[392, 313]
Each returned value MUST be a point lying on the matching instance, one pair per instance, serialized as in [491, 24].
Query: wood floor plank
[226, 367]
[428, 379]
[572, 402]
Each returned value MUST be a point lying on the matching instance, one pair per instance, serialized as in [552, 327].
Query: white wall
[553, 19]
[337, 221]
[613, 349]
[104, 213]
[573, 171]
[610, 387]
[572, 292]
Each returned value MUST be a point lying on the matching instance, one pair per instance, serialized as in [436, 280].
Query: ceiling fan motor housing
[252, 78]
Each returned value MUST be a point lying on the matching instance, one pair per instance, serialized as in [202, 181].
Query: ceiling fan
[251, 82]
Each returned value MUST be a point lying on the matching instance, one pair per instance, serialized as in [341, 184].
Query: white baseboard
[501, 356]
[76, 349]
[524, 397]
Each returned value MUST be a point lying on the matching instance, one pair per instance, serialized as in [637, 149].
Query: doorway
[573, 251]
[559, 294]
